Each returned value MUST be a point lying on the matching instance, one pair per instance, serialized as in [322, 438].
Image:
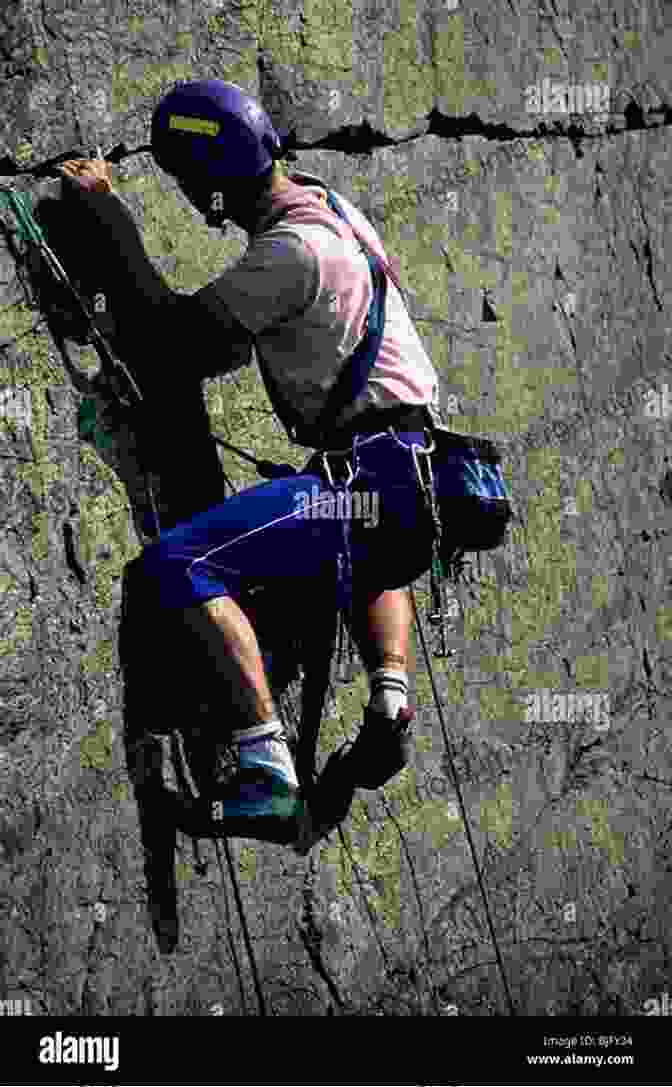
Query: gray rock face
[517, 163]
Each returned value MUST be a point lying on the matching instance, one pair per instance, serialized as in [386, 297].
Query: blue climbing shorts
[292, 530]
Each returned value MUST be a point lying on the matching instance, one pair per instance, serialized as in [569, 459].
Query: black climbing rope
[463, 810]
[243, 920]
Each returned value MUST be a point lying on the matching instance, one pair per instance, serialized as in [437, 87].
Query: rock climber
[300, 295]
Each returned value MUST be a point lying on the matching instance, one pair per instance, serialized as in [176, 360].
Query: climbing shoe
[382, 748]
[250, 791]
[256, 777]
[330, 801]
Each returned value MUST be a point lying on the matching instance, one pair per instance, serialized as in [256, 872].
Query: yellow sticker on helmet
[194, 124]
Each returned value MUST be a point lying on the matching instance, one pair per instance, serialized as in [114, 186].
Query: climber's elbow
[222, 342]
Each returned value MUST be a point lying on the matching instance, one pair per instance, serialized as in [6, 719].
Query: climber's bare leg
[231, 643]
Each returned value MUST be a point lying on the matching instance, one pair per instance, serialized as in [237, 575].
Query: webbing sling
[352, 380]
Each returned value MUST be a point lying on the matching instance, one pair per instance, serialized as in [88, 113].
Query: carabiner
[328, 473]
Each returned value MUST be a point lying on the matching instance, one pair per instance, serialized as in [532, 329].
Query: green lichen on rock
[551, 216]
[95, 750]
[600, 591]
[247, 863]
[596, 809]
[553, 57]
[38, 365]
[120, 792]
[22, 632]
[408, 81]
[451, 685]
[7, 582]
[536, 609]
[328, 40]
[349, 704]
[242, 70]
[497, 815]
[500, 703]
[105, 528]
[100, 660]
[584, 496]
[564, 841]
[169, 228]
[504, 224]
[37, 368]
[135, 81]
[552, 184]
[40, 56]
[23, 153]
[420, 246]
[240, 412]
[376, 849]
[318, 44]
[522, 390]
[663, 624]
[40, 536]
[632, 39]
[449, 65]
[184, 41]
[592, 671]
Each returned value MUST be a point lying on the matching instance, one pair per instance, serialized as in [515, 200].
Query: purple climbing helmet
[212, 135]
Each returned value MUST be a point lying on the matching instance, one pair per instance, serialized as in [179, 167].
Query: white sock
[254, 732]
[389, 691]
[261, 743]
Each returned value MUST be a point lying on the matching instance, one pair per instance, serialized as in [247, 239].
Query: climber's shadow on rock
[163, 670]
[169, 683]
[103, 423]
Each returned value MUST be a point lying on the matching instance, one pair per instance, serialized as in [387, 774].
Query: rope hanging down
[463, 810]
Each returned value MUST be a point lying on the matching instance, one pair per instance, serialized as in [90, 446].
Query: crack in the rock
[363, 139]
[312, 936]
[71, 558]
[649, 272]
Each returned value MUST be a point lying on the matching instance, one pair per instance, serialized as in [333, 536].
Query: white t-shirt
[303, 289]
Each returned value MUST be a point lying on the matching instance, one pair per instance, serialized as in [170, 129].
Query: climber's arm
[150, 317]
[225, 342]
